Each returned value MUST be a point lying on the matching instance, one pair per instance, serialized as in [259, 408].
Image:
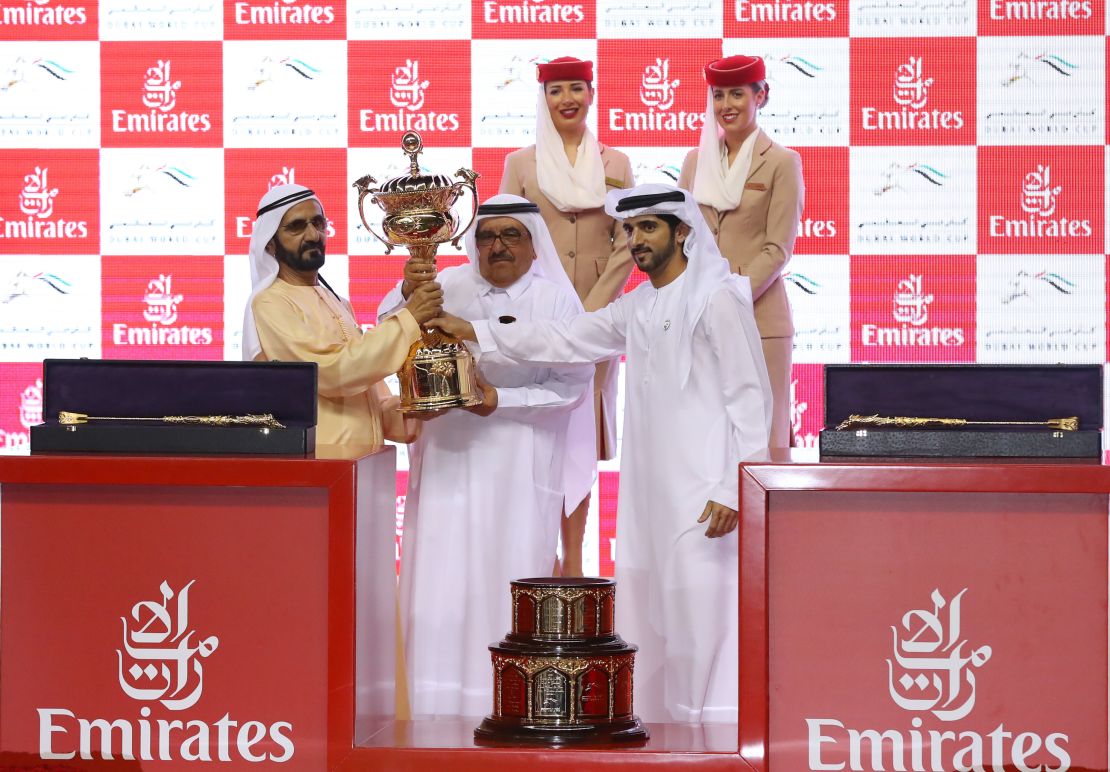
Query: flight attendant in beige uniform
[567, 173]
[751, 192]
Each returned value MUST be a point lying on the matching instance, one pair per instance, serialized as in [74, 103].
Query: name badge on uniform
[754, 186]
[614, 183]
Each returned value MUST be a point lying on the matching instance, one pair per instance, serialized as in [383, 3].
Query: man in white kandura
[487, 484]
[697, 401]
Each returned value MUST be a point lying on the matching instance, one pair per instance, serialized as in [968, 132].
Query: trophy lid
[415, 180]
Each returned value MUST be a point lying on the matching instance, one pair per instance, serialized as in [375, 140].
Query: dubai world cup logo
[933, 668]
[162, 655]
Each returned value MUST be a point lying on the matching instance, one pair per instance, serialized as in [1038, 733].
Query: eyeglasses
[510, 237]
[297, 227]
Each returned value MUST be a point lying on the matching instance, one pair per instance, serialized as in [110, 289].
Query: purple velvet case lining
[155, 388]
[973, 392]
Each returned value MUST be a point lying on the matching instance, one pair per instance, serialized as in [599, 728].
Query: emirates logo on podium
[162, 661]
[937, 675]
[165, 660]
[932, 675]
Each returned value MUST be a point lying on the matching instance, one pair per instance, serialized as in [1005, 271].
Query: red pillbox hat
[565, 68]
[737, 70]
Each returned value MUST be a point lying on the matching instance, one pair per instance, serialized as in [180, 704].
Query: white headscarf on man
[580, 462]
[706, 270]
[264, 266]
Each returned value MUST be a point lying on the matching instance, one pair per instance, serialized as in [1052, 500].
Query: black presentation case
[152, 388]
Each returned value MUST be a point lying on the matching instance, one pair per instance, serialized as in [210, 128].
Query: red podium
[924, 616]
[177, 610]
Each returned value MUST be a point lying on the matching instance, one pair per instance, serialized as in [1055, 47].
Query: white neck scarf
[264, 266]
[569, 188]
[716, 183]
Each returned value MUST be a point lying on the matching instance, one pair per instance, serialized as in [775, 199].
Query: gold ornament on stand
[1069, 424]
[266, 420]
[439, 371]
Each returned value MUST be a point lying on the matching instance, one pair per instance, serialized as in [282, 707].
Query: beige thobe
[310, 324]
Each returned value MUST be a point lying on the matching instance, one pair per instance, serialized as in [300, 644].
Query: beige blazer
[595, 255]
[757, 237]
[591, 244]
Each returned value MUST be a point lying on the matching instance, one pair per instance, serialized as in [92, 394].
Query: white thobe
[677, 590]
[485, 496]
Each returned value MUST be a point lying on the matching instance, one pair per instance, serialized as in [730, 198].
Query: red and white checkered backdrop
[955, 158]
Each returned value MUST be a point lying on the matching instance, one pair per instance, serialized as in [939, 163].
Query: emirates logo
[911, 87]
[165, 661]
[911, 303]
[657, 89]
[161, 302]
[406, 89]
[30, 405]
[936, 674]
[1038, 195]
[159, 88]
[37, 197]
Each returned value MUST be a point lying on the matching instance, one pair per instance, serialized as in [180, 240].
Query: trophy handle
[363, 185]
[469, 176]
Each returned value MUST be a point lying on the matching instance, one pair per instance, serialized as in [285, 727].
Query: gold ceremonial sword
[267, 420]
[1069, 424]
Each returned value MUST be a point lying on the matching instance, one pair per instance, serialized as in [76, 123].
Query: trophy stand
[438, 372]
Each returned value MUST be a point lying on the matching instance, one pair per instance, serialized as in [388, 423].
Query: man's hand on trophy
[489, 397]
[426, 302]
[417, 271]
[453, 325]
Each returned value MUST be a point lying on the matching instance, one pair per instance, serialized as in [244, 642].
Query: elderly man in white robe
[697, 401]
[294, 316]
[487, 484]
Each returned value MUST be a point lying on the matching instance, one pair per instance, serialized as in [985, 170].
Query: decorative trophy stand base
[562, 676]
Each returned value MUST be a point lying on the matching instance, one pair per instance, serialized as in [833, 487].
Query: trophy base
[522, 732]
[438, 374]
[431, 404]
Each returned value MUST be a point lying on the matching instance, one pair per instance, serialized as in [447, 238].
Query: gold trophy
[439, 371]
